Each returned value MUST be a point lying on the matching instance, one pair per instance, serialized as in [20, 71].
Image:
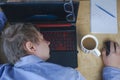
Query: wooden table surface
[88, 64]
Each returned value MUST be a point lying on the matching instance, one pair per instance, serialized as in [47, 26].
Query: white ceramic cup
[89, 44]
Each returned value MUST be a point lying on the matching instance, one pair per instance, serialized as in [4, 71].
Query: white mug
[89, 44]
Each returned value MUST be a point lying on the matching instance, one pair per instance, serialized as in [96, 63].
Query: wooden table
[88, 64]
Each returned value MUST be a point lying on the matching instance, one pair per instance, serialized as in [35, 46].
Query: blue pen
[105, 11]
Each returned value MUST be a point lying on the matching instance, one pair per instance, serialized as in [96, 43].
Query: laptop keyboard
[61, 40]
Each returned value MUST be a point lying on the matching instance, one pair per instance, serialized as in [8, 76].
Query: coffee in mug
[89, 44]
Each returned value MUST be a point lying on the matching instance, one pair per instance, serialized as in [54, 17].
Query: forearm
[111, 73]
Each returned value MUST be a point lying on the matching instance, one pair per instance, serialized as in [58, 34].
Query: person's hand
[113, 59]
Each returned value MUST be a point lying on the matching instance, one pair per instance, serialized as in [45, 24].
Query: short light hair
[14, 37]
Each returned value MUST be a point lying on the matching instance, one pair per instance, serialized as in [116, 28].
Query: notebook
[104, 16]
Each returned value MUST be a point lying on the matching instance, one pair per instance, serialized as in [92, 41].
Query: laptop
[55, 20]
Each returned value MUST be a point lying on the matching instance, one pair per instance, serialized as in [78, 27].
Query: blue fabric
[2, 20]
[111, 73]
[33, 68]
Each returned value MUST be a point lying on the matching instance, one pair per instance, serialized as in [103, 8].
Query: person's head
[22, 39]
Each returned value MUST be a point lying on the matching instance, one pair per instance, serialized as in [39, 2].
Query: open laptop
[55, 20]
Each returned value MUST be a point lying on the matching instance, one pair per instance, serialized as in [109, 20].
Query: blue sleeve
[111, 73]
[80, 76]
[2, 20]
[0, 65]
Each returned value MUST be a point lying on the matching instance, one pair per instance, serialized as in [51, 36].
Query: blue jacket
[111, 73]
[33, 68]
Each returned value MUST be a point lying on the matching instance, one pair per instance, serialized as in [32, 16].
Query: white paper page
[104, 16]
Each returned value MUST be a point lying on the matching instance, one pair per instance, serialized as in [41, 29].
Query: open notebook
[104, 16]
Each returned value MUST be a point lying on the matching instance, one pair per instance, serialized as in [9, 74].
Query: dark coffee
[89, 43]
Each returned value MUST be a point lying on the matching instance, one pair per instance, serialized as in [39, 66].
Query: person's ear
[30, 47]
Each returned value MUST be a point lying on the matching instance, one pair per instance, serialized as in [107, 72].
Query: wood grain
[90, 65]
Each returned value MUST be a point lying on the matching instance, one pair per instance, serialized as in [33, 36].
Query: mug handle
[97, 52]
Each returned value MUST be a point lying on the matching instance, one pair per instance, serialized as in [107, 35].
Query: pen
[105, 11]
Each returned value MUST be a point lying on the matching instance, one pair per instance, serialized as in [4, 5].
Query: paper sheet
[104, 16]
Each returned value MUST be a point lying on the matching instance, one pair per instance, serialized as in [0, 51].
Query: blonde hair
[14, 37]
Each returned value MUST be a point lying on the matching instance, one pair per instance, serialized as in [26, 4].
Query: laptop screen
[37, 12]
